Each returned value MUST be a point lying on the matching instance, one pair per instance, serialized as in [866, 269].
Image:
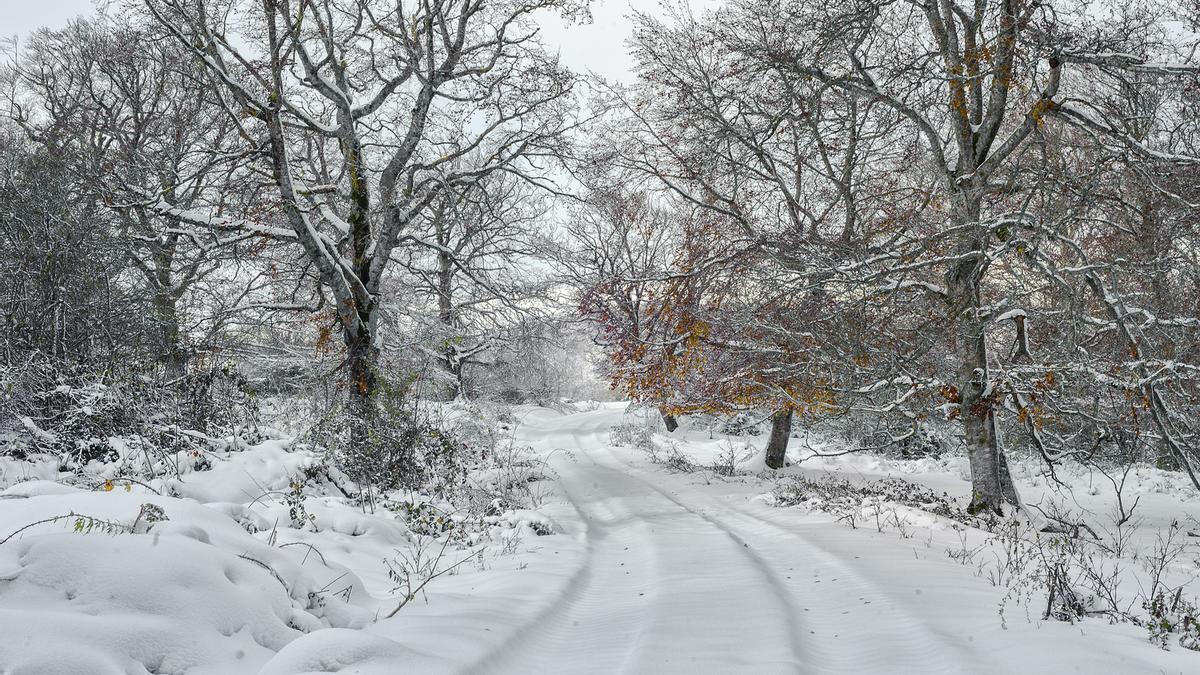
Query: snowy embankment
[261, 563]
[253, 560]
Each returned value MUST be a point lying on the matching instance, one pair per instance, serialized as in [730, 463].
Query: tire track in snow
[584, 620]
[946, 651]
[662, 589]
[838, 641]
[559, 628]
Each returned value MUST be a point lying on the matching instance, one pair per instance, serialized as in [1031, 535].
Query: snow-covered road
[673, 582]
[679, 575]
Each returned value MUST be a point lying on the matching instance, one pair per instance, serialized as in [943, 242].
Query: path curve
[680, 583]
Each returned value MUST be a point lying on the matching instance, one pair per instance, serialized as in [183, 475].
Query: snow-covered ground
[648, 570]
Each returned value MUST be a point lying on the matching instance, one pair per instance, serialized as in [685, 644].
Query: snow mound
[37, 488]
[345, 651]
[245, 476]
[115, 591]
[164, 603]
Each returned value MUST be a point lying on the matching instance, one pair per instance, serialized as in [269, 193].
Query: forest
[372, 336]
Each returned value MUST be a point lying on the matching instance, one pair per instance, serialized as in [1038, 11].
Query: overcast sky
[18, 17]
[599, 46]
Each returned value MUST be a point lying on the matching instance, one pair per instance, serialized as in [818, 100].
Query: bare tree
[61, 289]
[480, 256]
[364, 109]
[145, 139]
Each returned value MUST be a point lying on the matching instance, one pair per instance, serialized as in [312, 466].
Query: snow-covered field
[236, 570]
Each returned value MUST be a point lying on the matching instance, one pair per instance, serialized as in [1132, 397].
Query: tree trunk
[171, 351]
[1007, 486]
[781, 430]
[354, 294]
[669, 421]
[991, 484]
[160, 273]
[988, 468]
[362, 362]
[451, 360]
[1164, 301]
[991, 487]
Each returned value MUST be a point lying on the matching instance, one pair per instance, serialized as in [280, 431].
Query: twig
[413, 592]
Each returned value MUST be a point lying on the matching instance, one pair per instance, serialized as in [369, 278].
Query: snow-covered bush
[149, 428]
[841, 496]
[422, 516]
[413, 570]
[502, 473]
[1069, 574]
[220, 400]
[481, 426]
[671, 456]
[400, 447]
[731, 457]
[631, 435]
[741, 424]
[512, 474]
[925, 441]
[1172, 619]
[441, 468]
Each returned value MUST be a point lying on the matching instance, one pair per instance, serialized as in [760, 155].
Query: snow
[1011, 314]
[244, 476]
[739, 585]
[646, 570]
[341, 650]
[181, 598]
[228, 583]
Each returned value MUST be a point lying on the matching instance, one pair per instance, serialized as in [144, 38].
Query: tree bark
[669, 421]
[451, 360]
[991, 484]
[362, 360]
[159, 271]
[1165, 302]
[171, 351]
[781, 430]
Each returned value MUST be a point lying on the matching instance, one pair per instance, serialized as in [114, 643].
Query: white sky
[19, 17]
[599, 47]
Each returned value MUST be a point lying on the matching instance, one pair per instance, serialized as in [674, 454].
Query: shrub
[631, 435]
[838, 495]
[726, 463]
[423, 517]
[1171, 618]
[402, 451]
[83, 416]
[671, 457]
[741, 424]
